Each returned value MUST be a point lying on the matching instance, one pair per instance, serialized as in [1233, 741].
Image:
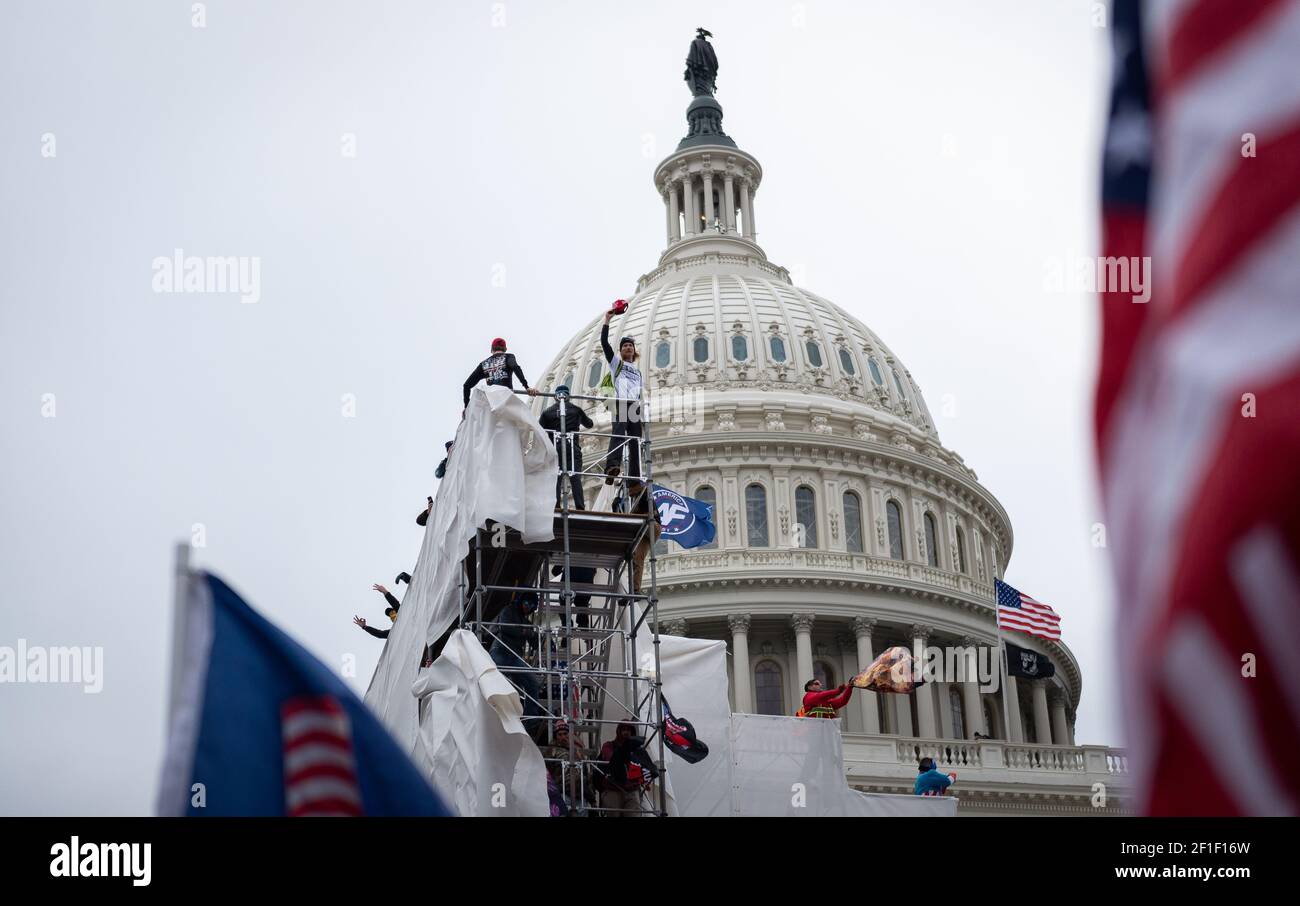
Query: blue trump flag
[260, 727]
[685, 520]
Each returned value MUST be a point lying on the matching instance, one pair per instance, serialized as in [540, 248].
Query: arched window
[824, 672]
[961, 550]
[805, 514]
[875, 373]
[707, 495]
[993, 561]
[853, 523]
[739, 348]
[846, 362]
[898, 382]
[990, 727]
[594, 373]
[663, 354]
[931, 541]
[756, 515]
[568, 380]
[777, 345]
[701, 349]
[814, 354]
[894, 515]
[769, 688]
[958, 715]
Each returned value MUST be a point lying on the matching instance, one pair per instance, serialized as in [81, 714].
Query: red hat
[498, 342]
[620, 306]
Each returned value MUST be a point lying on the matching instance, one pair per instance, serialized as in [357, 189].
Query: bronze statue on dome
[701, 65]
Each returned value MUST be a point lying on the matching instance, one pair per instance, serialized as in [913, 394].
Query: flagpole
[180, 625]
[1006, 712]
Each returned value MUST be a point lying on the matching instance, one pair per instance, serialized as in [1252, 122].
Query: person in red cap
[499, 369]
[817, 703]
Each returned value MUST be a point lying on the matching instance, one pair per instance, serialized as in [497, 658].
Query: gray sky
[925, 164]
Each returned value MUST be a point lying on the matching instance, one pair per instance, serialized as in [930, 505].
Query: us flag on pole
[1019, 612]
[1198, 396]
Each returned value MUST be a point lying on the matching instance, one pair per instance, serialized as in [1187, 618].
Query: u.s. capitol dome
[844, 525]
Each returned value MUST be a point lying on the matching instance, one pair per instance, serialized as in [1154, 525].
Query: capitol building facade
[844, 525]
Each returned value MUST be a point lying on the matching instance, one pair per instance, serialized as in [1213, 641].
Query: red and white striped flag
[320, 772]
[1019, 612]
[1198, 400]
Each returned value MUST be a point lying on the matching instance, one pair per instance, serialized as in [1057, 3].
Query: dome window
[805, 514]
[853, 523]
[875, 373]
[814, 354]
[739, 348]
[931, 541]
[568, 380]
[898, 383]
[708, 496]
[663, 354]
[846, 362]
[756, 515]
[895, 514]
[700, 349]
[594, 373]
[778, 349]
[961, 550]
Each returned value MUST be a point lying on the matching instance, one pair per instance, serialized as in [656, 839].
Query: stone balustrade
[890, 762]
[690, 564]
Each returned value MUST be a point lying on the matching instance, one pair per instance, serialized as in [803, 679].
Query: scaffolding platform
[576, 661]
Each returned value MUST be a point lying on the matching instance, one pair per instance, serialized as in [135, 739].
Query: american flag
[1198, 396]
[320, 774]
[1018, 611]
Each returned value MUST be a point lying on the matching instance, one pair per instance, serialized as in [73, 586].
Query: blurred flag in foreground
[1198, 392]
[260, 727]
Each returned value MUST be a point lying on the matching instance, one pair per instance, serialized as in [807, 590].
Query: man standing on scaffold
[627, 423]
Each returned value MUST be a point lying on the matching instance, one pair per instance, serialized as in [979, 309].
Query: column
[862, 628]
[924, 694]
[852, 714]
[688, 198]
[745, 211]
[708, 199]
[1011, 706]
[674, 627]
[1042, 723]
[802, 623]
[972, 707]
[1060, 728]
[674, 212]
[943, 694]
[739, 626]
[729, 200]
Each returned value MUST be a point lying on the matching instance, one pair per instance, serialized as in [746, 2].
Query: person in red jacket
[817, 703]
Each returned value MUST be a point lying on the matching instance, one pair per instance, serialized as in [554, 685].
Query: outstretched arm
[604, 339]
[844, 697]
[519, 373]
[474, 377]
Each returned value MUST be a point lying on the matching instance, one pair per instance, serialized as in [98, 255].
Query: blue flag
[261, 727]
[685, 520]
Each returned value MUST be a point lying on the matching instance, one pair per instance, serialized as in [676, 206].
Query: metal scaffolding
[579, 660]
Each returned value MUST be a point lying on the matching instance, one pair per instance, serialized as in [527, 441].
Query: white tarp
[502, 468]
[472, 745]
[760, 765]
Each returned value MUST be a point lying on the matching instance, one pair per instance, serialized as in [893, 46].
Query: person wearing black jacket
[390, 611]
[499, 369]
[574, 418]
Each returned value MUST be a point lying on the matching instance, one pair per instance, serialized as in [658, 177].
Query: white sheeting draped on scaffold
[502, 468]
[472, 745]
[760, 765]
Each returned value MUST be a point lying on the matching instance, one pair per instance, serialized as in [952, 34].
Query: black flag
[1029, 664]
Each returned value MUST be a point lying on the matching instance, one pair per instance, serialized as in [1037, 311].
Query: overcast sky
[925, 166]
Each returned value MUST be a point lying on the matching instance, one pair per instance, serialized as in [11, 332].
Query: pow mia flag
[1029, 664]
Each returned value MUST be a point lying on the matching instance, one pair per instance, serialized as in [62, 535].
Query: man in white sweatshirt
[627, 408]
